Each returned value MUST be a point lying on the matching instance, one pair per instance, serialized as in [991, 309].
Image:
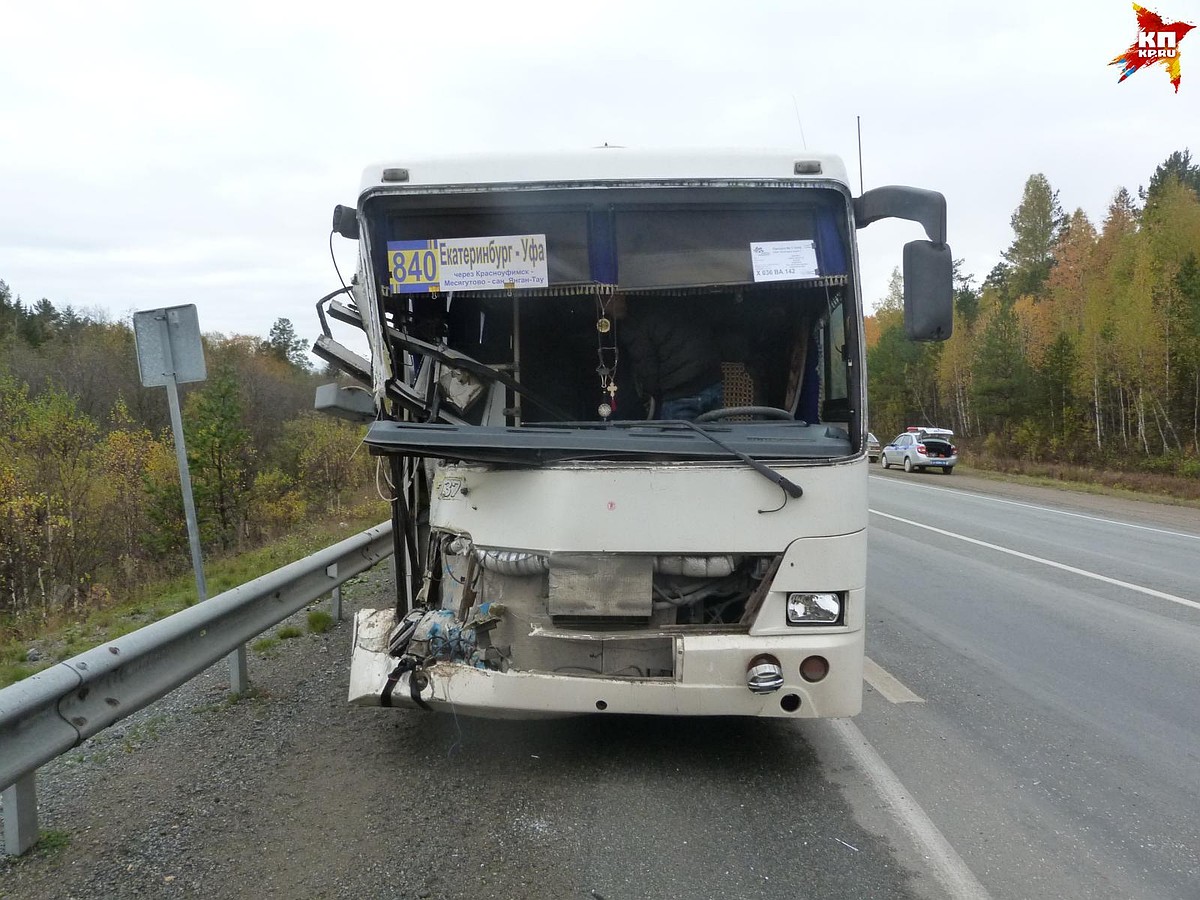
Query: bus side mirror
[345, 221]
[928, 291]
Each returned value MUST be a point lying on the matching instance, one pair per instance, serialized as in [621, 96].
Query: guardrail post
[239, 674]
[336, 597]
[20, 815]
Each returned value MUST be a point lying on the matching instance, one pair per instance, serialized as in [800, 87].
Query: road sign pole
[185, 483]
[239, 679]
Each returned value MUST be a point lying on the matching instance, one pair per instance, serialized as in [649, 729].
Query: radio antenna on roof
[796, 106]
[858, 120]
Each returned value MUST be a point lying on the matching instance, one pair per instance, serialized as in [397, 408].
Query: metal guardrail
[48, 713]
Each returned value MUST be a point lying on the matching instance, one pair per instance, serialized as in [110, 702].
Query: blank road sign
[175, 349]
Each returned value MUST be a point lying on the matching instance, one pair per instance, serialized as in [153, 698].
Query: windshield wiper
[789, 487]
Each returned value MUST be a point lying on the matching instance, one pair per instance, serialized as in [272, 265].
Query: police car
[921, 449]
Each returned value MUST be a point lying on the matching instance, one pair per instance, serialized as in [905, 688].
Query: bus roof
[605, 164]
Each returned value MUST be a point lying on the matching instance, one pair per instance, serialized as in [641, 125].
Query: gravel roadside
[290, 792]
[198, 796]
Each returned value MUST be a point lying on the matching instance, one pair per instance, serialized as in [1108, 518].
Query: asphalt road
[1039, 739]
[1058, 744]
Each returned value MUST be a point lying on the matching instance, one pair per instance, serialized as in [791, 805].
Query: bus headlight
[814, 609]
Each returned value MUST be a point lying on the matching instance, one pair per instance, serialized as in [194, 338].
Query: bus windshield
[519, 309]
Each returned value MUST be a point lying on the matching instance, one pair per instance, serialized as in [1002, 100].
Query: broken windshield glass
[586, 306]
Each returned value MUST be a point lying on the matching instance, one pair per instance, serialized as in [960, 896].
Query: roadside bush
[319, 621]
[328, 457]
[275, 505]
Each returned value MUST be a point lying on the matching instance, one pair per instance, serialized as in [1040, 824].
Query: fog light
[764, 674]
[814, 668]
[814, 609]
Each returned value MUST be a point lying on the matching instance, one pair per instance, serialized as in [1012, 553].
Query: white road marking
[1050, 509]
[1150, 592]
[948, 867]
[887, 684]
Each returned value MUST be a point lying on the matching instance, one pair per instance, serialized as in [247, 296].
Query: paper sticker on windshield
[783, 260]
[464, 264]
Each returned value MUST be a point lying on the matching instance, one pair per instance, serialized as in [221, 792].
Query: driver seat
[740, 388]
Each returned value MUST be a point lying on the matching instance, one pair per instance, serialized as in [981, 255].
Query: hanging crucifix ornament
[608, 379]
[608, 356]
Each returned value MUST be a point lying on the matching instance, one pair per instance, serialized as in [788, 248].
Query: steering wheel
[761, 412]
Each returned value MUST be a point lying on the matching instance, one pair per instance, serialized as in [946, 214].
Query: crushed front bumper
[709, 680]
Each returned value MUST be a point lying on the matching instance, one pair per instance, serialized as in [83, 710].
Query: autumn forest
[1081, 346]
[90, 503]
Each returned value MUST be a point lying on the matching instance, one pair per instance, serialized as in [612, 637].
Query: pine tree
[218, 449]
[8, 312]
[1001, 386]
[283, 343]
[1036, 225]
[1178, 167]
[39, 324]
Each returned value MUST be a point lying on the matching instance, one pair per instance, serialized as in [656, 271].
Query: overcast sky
[152, 157]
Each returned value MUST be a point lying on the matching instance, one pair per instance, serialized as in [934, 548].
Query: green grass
[61, 638]
[53, 840]
[1148, 487]
[50, 843]
[13, 653]
[15, 671]
[254, 693]
[319, 621]
[148, 730]
[268, 647]
[287, 632]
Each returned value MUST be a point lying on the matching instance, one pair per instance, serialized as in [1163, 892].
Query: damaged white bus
[562, 546]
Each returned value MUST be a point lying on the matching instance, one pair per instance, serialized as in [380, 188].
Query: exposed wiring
[637, 670]
[780, 506]
[716, 614]
[321, 309]
[446, 648]
[462, 582]
[334, 258]
[378, 489]
[667, 598]
[466, 549]
[728, 584]
[457, 745]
